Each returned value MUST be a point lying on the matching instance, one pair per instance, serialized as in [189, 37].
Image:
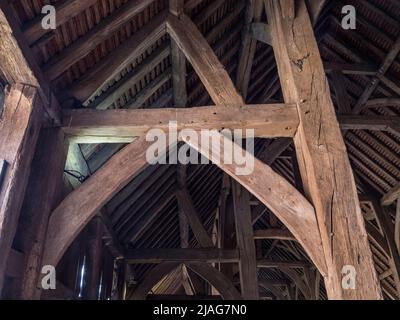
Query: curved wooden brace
[217, 279]
[154, 277]
[285, 201]
[275, 291]
[81, 205]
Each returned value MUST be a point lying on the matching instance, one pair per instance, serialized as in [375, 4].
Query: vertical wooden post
[245, 243]
[19, 130]
[44, 192]
[323, 161]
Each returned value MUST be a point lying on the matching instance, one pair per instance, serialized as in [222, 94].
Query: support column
[245, 243]
[19, 129]
[44, 192]
[323, 161]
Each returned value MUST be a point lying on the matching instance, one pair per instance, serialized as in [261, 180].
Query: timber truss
[326, 219]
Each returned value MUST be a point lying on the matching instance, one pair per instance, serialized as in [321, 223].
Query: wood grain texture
[124, 125]
[278, 195]
[19, 130]
[77, 209]
[245, 243]
[323, 161]
[203, 59]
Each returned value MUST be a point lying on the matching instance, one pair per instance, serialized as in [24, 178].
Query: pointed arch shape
[79, 207]
[213, 276]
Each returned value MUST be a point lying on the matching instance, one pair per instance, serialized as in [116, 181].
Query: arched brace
[81, 205]
[213, 276]
[217, 279]
[154, 277]
[287, 203]
[275, 291]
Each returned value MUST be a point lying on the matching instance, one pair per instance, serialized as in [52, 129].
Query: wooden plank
[157, 255]
[44, 191]
[274, 233]
[77, 209]
[203, 59]
[19, 130]
[323, 161]
[65, 9]
[293, 210]
[99, 75]
[391, 196]
[124, 125]
[245, 243]
[90, 40]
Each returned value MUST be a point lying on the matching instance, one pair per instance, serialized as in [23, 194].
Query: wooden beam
[157, 255]
[19, 130]
[203, 59]
[79, 207]
[370, 122]
[99, 75]
[391, 196]
[124, 125]
[66, 10]
[248, 48]
[274, 234]
[245, 243]
[325, 168]
[282, 264]
[176, 8]
[293, 210]
[44, 191]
